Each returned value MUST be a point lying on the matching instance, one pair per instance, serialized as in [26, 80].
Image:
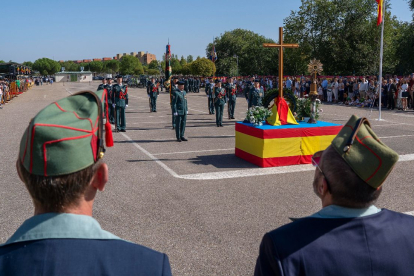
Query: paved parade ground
[195, 200]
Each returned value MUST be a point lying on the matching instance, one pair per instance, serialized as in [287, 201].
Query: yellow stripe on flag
[282, 147]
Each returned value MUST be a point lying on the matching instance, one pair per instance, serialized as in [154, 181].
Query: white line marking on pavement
[399, 136]
[192, 151]
[406, 157]
[247, 172]
[165, 167]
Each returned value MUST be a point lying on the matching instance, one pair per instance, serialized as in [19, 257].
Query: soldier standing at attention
[120, 102]
[197, 85]
[102, 85]
[231, 93]
[180, 111]
[153, 93]
[210, 95]
[173, 88]
[111, 110]
[186, 84]
[219, 102]
[249, 86]
[256, 95]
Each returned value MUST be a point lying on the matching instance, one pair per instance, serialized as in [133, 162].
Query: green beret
[363, 151]
[66, 136]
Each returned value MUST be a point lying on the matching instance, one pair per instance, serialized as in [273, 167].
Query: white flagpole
[380, 66]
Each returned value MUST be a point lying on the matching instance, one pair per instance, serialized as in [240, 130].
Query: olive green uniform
[111, 110]
[180, 110]
[153, 96]
[231, 96]
[219, 102]
[210, 95]
[256, 97]
[121, 102]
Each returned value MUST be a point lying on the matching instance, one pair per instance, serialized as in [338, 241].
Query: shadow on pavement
[229, 161]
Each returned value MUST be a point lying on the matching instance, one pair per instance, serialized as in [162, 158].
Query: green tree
[130, 65]
[198, 57]
[342, 34]
[96, 66]
[175, 66]
[183, 61]
[153, 72]
[153, 65]
[186, 69]
[190, 59]
[2, 61]
[111, 66]
[46, 66]
[203, 67]
[248, 46]
[27, 63]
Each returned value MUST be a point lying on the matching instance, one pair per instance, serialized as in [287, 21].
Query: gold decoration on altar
[314, 67]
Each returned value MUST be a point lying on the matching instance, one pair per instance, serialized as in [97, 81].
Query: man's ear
[100, 177]
[323, 187]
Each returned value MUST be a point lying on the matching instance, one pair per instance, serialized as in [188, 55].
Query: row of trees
[342, 34]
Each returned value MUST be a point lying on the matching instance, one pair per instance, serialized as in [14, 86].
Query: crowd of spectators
[11, 88]
[395, 92]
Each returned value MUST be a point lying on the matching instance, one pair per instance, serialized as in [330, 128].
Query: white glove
[113, 105]
[175, 114]
[126, 106]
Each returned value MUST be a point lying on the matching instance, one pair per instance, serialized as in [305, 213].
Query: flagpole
[380, 66]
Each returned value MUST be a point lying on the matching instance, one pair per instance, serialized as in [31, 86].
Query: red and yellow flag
[380, 9]
[281, 114]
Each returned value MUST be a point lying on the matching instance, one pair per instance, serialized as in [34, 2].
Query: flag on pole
[168, 69]
[213, 54]
[380, 3]
[281, 114]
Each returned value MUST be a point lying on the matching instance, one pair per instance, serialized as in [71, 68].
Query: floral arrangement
[257, 114]
[304, 108]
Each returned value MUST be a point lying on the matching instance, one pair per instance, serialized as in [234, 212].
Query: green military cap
[66, 136]
[363, 151]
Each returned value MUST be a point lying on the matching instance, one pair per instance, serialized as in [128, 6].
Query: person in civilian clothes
[62, 238]
[349, 235]
[180, 111]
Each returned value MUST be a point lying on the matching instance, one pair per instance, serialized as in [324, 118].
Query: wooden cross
[281, 45]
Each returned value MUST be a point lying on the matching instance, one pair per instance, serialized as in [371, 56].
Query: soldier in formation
[197, 85]
[219, 98]
[120, 102]
[111, 109]
[210, 94]
[174, 86]
[231, 93]
[153, 95]
[255, 95]
[102, 85]
[180, 110]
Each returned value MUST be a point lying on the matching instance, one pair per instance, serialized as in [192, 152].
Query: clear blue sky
[73, 29]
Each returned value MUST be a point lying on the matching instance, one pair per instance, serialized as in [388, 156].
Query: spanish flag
[380, 9]
[281, 114]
